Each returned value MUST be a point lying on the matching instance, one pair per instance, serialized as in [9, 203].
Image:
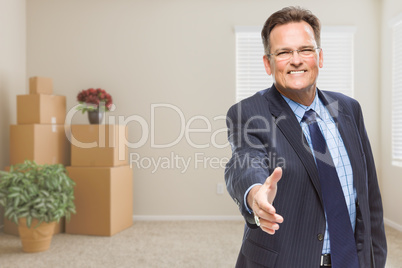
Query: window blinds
[336, 75]
[397, 93]
[250, 72]
[337, 72]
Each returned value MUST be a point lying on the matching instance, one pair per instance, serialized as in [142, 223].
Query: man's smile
[297, 72]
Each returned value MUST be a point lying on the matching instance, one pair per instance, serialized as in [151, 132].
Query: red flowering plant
[93, 99]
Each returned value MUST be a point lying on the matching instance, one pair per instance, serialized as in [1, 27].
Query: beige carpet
[151, 244]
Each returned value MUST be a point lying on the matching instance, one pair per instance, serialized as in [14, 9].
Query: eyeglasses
[288, 54]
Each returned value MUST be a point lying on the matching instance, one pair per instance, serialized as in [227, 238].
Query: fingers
[269, 227]
[269, 217]
[268, 222]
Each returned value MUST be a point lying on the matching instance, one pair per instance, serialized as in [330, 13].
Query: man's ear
[321, 59]
[267, 65]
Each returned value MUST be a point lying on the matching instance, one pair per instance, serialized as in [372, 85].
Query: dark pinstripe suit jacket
[264, 133]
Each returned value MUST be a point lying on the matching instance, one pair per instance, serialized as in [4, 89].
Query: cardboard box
[98, 145]
[12, 228]
[40, 85]
[41, 109]
[44, 144]
[103, 200]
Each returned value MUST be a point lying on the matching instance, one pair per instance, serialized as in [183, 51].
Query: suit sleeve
[375, 204]
[249, 162]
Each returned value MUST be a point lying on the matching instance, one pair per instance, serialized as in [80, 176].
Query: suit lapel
[347, 129]
[290, 128]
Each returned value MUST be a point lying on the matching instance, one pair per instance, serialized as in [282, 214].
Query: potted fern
[35, 197]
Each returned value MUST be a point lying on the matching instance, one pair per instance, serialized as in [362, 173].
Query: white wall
[12, 70]
[181, 53]
[391, 175]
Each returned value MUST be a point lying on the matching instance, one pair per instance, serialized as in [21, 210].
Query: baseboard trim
[393, 224]
[186, 218]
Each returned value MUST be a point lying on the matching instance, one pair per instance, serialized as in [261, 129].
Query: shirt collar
[299, 109]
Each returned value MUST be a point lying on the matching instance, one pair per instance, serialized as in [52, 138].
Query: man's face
[297, 75]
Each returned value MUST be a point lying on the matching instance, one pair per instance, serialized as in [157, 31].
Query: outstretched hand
[261, 198]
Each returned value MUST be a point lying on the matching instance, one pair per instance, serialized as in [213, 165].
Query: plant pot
[35, 239]
[95, 117]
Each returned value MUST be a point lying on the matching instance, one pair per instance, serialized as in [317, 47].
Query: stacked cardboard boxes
[39, 134]
[104, 183]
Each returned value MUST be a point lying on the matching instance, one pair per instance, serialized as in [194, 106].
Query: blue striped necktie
[342, 241]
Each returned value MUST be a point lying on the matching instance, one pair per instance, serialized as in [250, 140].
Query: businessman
[302, 170]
